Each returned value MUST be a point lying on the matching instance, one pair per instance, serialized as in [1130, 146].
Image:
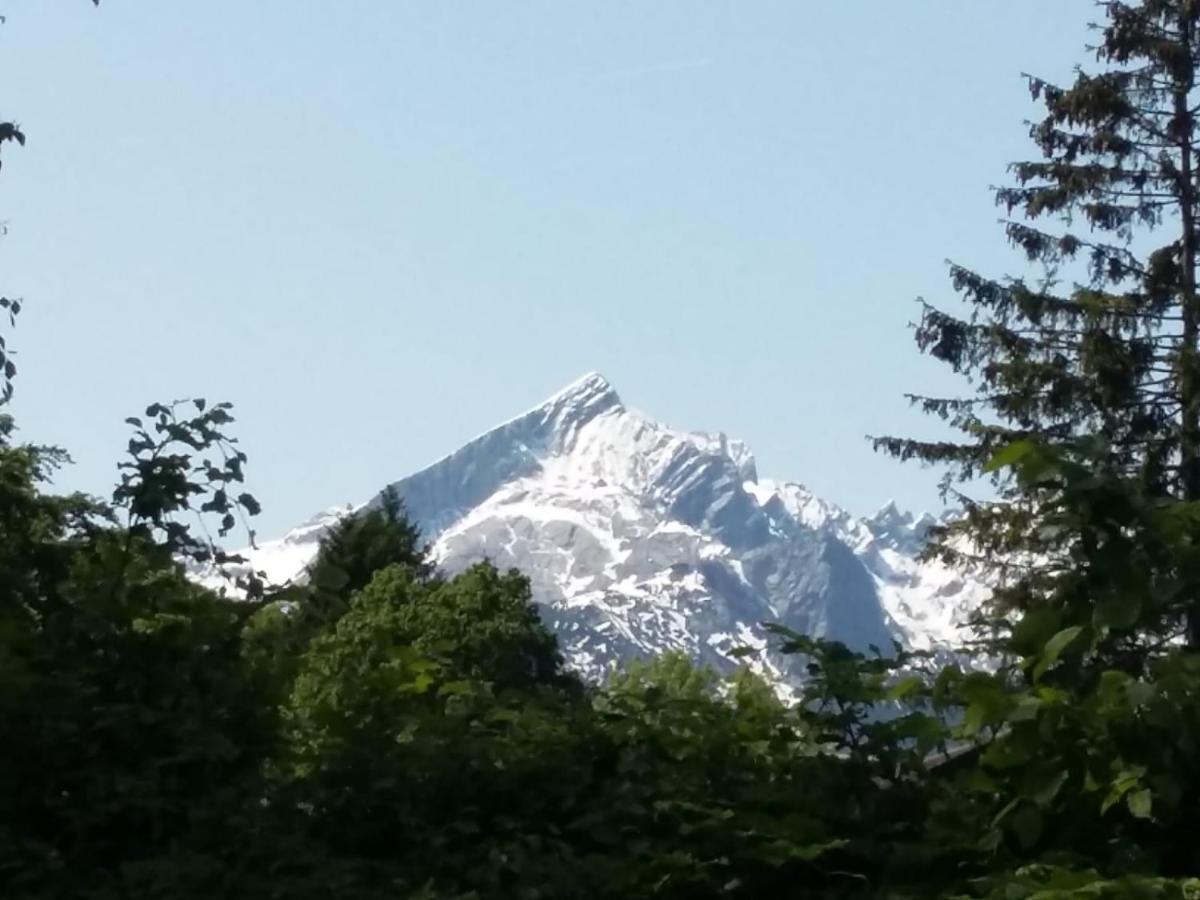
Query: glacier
[639, 538]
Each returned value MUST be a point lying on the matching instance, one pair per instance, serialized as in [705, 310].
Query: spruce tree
[1103, 340]
[360, 545]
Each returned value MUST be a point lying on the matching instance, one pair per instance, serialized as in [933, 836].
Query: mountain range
[640, 538]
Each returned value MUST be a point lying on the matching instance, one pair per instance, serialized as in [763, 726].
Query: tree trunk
[1189, 441]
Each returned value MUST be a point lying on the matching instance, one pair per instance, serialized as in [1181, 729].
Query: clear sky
[382, 227]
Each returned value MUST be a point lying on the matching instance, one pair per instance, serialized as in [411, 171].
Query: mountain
[640, 538]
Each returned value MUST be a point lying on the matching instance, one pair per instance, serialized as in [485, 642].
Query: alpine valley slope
[640, 539]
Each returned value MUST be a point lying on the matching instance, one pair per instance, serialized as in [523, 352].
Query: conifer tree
[360, 545]
[1105, 340]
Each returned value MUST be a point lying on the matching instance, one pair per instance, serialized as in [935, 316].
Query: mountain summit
[640, 538]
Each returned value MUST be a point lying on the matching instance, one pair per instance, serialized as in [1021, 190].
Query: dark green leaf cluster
[1103, 336]
[127, 714]
[162, 481]
[358, 546]
[420, 737]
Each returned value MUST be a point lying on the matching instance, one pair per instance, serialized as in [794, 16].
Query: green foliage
[161, 740]
[162, 481]
[1072, 771]
[350, 554]
[425, 739]
[1054, 883]
[724, 790]
[126, 713]
[10, 307]
[358, 546]
[1088, 734]
[482, 624]
[405, 747]
[1103, 338]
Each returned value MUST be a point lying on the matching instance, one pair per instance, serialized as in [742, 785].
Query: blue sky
[381, 227]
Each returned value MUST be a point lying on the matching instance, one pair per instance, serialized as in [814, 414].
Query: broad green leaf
[1139, 693]
[1054, 648]
[1035, 627]
[905, 687]
[1043, 786]
[455, 688]
[1027, 709]
[1114, 683]
[1140, 803]
[1027, 823]
[1121, 786]
[973, 720]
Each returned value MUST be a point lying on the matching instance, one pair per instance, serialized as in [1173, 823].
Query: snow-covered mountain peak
[640, 538]
[568, 410]
[891, 514]
[898, 528]
[589, 393]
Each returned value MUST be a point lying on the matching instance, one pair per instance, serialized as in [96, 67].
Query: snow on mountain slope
[639, 538]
